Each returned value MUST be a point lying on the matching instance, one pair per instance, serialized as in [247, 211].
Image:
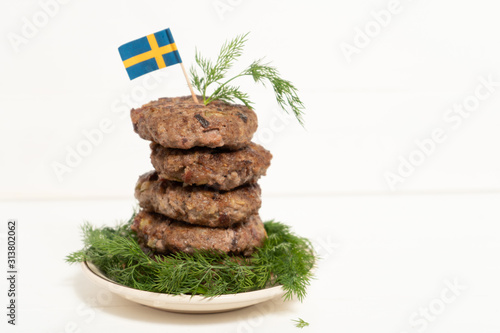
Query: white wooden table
[396, 263]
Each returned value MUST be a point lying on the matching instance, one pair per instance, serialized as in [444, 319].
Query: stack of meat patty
[203, 193]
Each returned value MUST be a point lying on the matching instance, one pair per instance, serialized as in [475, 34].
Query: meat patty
[195, 204]
[180, 123]
[218, 168]
[164, 235]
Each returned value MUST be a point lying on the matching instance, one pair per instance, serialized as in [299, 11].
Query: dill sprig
[300, 323]
[214, 73]
[285, 259]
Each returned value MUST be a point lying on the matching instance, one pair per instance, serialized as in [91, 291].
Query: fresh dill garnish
[285, 259]
[215, 73]
[300, 323]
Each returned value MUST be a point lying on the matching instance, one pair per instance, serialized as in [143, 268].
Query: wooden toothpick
[189, 84]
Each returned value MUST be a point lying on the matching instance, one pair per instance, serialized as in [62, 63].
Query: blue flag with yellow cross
[149, 53]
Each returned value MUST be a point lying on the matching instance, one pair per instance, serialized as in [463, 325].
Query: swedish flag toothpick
[150, 53]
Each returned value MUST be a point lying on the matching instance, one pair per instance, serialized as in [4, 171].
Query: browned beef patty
[180, 123]
[164, 235]
[218, 168]
[195, 204]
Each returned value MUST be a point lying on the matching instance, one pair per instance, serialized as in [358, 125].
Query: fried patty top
[218, 168]
[197, 204]
[180, 123]
[165, 235]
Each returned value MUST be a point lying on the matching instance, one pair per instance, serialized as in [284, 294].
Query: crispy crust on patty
[164, 235]
[218, 168]
[195, 204]
[179, 123]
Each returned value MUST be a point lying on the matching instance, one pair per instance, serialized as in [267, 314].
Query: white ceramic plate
[182, 303]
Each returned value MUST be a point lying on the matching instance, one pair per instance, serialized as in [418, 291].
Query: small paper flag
[149, 53]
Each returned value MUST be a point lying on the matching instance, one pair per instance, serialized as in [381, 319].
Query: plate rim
[98, 277]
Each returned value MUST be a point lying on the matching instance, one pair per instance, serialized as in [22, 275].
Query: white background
[360, 116]
[365, 113]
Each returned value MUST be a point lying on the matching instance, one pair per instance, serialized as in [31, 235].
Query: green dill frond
[300, 323]
[284, 90]
[284, 259]
[213, 74]
[230, 94]
[77, 256]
